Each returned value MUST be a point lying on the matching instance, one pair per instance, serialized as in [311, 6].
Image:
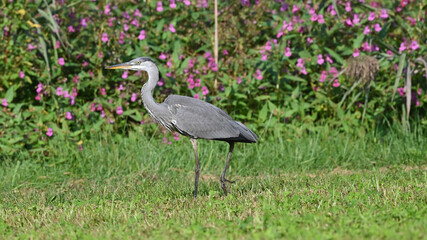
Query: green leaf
[294, 78]
[399, 74]
[10, 94]
[335, 55]
[358, 41]
[304, 54]
[263, 113]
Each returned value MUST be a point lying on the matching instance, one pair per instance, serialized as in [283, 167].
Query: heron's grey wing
[199, 119]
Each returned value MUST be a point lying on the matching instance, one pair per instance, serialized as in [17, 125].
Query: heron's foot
[229, 181]
[224, 185]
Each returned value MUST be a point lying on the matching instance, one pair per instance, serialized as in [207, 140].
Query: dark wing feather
[199, 119]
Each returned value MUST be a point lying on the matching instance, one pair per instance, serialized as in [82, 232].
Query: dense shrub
[280, 64]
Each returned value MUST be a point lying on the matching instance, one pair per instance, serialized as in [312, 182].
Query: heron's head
[137, 64]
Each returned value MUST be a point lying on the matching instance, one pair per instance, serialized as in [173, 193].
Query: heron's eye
[139, 62]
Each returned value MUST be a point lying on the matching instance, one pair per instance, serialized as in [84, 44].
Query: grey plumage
[189, 116]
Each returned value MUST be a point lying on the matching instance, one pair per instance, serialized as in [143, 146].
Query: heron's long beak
[120, 66]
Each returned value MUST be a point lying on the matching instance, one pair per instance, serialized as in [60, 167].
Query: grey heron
[189, 116]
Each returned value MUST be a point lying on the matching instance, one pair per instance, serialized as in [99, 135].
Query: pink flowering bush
[279, 66]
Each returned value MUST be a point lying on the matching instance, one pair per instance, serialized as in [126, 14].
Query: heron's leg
[196, 181]
[223, 179]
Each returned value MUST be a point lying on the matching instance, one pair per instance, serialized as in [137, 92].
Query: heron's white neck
[147, 89]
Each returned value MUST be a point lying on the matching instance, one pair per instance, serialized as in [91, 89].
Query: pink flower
[119, 110]
[125, 27]
[68, 116]
[171, 28]
[83, 22]
[259, 74]
[264, 57]
[295, 8]
[21, 74]
[371, 16]
[320, 59]
[329, 59]
[176, 136]
[159, 6]
[419, 92]
[58, 44]
[125, 75]
[61, 61]
[348, 7]
[161, 81]
[141, 35]
[196, 96]
[205, 90]
[187, 2]
[336, 83]
[103, 92]
[121, 37]
[162, 56]
[377, 27]
[331, 10]
[402, 47]
[323, 76]
[366, 47]
[135, 22]
[4, 102]
[412, 21]
[267, 46]
[309, 40]
[320, 18]
[172, 4]
[356, 53]
[401, 91]
[414, 45]
[49, 132]
[39, 88]
[239, 80]
[356, 19]
[121, 88]
[134, 97]
[66, 94]
[384, 14]
[107, 9]
[349, 22]
[367, 30]
[59, 91]
[300, 65]
[287, 52]
[314, 17]
[333, 71]
[104, 37]
[71, 29]
[225, 52]
[31, 47]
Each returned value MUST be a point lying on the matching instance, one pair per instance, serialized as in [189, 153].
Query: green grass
[318, 186]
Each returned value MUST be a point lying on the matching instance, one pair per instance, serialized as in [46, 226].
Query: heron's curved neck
[147, 89]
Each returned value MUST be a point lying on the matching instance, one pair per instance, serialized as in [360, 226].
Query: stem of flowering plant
[365, 106]
[216, 40]
[408, 88]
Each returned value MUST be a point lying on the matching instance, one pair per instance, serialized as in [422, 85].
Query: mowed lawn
[313, 187]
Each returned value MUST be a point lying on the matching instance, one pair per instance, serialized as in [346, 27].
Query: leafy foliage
[279, 67]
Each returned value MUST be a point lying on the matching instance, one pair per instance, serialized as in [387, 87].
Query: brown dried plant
[362, 68]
